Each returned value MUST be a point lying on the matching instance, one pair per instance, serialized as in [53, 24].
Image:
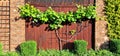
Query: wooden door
[49, 39]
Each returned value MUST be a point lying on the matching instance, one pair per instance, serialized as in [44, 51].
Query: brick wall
[17, 26]
[101, 38]
[4, 24]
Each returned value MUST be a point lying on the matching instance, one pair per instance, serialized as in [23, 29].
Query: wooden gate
[49, 39]
[5, 24]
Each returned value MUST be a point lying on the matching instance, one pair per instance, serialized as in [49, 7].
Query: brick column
[4, 24]
[17, 26]
[101, 39]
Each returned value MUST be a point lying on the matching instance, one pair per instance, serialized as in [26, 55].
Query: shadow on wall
[105, 45]
[18, 48]
[69, 46]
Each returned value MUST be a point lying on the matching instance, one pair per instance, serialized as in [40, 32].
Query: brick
[101, 39]
[17, 27]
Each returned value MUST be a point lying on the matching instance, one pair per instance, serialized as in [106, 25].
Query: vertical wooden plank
[50, 40]
[31, 31]
[82, 32]
[87, 35]
[90, 34]
[86, 2]
[37, 36]
[91, 2]
[79, 35]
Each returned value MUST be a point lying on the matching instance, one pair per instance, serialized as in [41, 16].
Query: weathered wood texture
[49, 39]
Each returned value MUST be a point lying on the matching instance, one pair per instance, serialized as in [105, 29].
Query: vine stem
[71, 37]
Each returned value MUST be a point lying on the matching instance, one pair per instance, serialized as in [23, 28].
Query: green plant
[28, 48]
[90, 12]
[0, 48]
[72, 32]
[42, 53]
[66, 53]
[70, 17]
[104, 53]
[80, 12]
[54, 53]
[115, 54]
[80, 46]
[98, 53]
[1, 51]
[48, 53]
[112, 9]
[11, 54]
[55, 20]
[90, 52]
[115, 46]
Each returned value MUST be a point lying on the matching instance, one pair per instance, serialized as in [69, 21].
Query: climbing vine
[55, 19]
[113, 18]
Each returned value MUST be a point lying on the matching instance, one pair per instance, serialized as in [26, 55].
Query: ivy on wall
[55, 19]
[113, 18]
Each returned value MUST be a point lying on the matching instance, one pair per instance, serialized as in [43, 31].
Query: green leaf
[54, 19]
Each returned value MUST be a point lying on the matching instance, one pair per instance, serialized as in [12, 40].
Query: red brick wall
[101, 38]
[17, 26]
[4, 24]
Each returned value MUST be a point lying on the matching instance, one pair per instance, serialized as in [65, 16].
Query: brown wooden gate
[50, 39]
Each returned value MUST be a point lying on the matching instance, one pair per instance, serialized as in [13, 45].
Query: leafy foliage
[68, 53]
[80, 46]
[72, 32]
[115, 46]
[54, 53]
[80, 12]
[104, 53]
[28, 48]
[90, 12]
[70, 17]
[116, 54]
[11, 54]
[90, 52]
[54, 19]
[1, 51]
[97, 53]
[112, 9]
[30, 11]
